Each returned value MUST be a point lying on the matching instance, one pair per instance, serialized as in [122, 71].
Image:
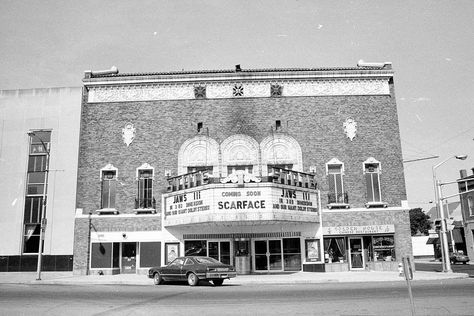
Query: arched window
[197, 154]
[281, 151]
[240, 152]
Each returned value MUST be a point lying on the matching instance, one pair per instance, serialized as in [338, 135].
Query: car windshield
[206, 260]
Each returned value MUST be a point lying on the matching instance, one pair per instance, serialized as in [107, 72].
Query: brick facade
[315, 122]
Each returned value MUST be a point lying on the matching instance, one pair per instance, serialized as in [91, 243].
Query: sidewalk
[68, 278]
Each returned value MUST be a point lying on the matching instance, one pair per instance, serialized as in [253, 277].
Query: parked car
[459, 256]
[193, 269]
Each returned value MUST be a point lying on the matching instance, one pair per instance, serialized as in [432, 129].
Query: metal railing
[275, 175]
[145, 203]
[338, 198]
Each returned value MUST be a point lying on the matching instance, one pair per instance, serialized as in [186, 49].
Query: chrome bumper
[221, 275]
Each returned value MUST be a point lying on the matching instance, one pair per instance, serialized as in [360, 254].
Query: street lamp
[43, 207]
[439, 202]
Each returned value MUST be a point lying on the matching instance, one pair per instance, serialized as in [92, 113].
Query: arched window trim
[211, 148]
[335, 161]
[267, 145]
[240, 140]
[108, 167]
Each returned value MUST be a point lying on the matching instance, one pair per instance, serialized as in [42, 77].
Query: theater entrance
[274, 255]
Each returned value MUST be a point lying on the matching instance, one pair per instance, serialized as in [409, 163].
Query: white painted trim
[276, 76]
[129, 215]
[363, 209]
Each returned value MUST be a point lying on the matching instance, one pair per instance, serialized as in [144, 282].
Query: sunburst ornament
[350, 128]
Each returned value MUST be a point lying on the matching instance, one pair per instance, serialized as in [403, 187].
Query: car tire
[193, 279]
[218, 282]
[464, 262]
[157, 279]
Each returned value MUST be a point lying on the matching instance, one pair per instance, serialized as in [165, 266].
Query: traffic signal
[437, 225]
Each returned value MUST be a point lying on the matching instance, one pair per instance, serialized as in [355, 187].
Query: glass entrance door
[268, 255]
[129, 255]
[219, 250]
[356, 253]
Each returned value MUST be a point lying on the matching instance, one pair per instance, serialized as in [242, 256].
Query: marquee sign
[257, 199]
[358, 230]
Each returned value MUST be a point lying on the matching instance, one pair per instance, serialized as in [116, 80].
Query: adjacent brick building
[466, 195]
[270, 170]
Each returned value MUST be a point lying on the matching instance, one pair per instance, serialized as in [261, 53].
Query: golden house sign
[359, 230]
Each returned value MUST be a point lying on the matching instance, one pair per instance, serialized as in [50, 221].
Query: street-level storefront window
[335, 250]
[105, 255]
[292, 254]
[195, 247]
[383, 248]
[150, 254]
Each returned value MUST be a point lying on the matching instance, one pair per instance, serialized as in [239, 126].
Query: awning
[432, 241]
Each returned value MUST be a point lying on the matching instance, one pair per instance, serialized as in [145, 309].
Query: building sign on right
[358, 230]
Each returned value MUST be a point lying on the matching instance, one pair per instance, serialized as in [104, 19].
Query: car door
[173, 270]
[188, 266]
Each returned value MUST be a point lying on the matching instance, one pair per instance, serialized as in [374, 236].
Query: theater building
[271, 170]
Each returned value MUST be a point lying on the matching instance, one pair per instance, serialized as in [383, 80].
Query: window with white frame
[335, 173]
[372, 180]
[109, 187]
[145, 198]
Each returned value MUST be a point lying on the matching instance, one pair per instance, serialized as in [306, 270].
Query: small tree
[419, 222]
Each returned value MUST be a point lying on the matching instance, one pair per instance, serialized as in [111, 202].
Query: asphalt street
[437, 267]
[438, 297]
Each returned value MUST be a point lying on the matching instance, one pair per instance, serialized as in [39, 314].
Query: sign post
[408, 274]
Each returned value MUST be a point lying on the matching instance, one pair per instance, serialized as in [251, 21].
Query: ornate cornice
[129, 92]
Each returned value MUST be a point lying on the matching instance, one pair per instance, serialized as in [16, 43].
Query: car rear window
[206, 260]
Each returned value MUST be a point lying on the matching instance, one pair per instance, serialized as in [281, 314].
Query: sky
[50, 43]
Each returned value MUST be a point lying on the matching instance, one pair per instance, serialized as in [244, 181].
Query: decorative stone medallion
[200, 92]
[276, 90]
[128, 134]
[350, 128]
[238, 90]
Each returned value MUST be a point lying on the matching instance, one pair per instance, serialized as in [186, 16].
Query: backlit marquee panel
[224, 204]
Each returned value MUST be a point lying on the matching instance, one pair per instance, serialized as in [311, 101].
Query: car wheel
[193, 279]
[218, 282]
[464, 262]
[157, 279]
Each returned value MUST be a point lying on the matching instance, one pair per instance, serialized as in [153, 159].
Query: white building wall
[57, 109]
[420, 248]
